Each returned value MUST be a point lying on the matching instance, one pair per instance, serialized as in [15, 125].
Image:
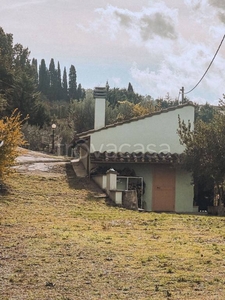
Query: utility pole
[182, 95]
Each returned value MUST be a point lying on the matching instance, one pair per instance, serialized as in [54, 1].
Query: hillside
[58, 241]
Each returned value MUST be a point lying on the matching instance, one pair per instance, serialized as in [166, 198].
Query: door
[163, 192]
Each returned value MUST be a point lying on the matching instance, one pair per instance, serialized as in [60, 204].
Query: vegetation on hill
[49, 95]
[205, 148]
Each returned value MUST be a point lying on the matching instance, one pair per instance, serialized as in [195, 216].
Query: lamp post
[53, 137]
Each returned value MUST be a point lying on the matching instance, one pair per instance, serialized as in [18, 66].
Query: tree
[12, 137]
[53, 80]
[24, 95]
[204, 153]
[65, 86]
[165, 103]
[72, 83]
[59, 84]
[116, 95]
[82, 113]
[204, 112]
[130, 88]
[132, 97]
[35, 70]
[127, 110]
[80, 93]
[18, 79]
[6, 72]
[44, 81]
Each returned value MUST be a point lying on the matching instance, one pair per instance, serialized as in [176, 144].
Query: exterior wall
[157, 133]
[111, 177]
[116, 196]
[145, 171]
[84, 158]
[142, 170]
[100, 180]
[184, 193]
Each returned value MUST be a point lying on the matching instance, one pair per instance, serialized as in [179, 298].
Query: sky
[157, 46]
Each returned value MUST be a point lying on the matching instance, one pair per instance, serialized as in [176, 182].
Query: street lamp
[53, 137]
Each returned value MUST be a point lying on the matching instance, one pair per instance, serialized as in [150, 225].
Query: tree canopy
[204, 153]
[18, 80]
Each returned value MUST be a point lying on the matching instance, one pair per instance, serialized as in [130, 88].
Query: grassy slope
[57, 242]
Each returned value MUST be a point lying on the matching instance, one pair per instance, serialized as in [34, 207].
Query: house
[141, 154]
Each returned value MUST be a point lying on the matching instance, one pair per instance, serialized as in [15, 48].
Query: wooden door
[163, 192]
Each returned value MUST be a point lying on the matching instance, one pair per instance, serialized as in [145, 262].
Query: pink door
[163, 193]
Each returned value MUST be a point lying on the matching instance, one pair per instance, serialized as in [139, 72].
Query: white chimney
[100, 98]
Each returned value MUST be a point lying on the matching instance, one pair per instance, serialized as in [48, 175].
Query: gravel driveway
[32, 161]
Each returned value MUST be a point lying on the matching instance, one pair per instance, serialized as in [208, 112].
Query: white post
[111, 180]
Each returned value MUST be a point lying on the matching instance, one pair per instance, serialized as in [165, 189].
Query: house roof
[125, 157]
[172, 108]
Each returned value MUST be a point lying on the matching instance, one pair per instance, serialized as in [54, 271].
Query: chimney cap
[100, 92]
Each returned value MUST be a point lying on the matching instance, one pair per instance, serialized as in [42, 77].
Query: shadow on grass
[4, 190]
[94, 192]
[73, 181]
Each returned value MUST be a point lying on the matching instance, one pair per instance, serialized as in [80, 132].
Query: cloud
[221, 17]
[185, 69]
[149, 24]
[146, 24]
[21, 4]
[217, 3]
[167, 48]
[207, 9]
[116, 80]
[194, 4]
[158, 46]
[125, 18]
[158, 24]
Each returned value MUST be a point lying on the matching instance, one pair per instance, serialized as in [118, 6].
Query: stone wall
[130, 200]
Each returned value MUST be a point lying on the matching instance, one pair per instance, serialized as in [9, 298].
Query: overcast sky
[158, 46]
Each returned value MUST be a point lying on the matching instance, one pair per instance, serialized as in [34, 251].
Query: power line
[208, 66]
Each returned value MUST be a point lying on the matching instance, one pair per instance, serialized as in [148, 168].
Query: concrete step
[79, 168]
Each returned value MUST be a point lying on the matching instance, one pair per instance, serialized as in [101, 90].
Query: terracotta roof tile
[134, 157]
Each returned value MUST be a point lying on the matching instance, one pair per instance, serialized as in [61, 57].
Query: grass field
[58, 242]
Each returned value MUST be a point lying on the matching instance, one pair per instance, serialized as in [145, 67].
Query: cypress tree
[130, 88]
[44, 83]
[80, 93]
[53, 80]
[35, 69]
[72, 83]
[65, 85]
[59, 83]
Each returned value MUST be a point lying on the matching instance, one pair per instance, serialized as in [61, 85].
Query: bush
[11, 137]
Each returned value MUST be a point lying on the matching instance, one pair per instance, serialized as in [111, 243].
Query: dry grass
[58, 242]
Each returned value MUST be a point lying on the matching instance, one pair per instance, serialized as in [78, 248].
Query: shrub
[11, 136]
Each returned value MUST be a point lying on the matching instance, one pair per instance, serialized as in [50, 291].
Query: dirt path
[37, 163]
[48, 165]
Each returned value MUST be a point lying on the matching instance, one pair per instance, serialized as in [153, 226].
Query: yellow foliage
[12, 137]
[128, 110]
[140, 110]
